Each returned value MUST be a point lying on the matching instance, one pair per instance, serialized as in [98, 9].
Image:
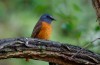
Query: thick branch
[47, 51]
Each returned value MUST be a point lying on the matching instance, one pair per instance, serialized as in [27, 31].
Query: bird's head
[47, 18]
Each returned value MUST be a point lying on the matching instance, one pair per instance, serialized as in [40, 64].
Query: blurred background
[75, 23]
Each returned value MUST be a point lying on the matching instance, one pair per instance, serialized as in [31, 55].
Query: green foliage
[76, 7]
[97, 28]
[75, 21]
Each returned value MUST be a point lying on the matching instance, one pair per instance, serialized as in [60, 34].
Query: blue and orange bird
[43, 29]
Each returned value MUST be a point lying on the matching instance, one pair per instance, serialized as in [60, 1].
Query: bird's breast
[45, 31]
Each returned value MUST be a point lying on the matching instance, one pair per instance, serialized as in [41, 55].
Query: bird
[43, 29]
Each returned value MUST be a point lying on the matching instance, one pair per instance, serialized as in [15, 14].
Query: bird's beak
[54, 19]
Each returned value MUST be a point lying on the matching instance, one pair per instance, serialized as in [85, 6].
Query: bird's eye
[48, 16]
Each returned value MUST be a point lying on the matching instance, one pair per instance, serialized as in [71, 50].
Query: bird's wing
[36, 29]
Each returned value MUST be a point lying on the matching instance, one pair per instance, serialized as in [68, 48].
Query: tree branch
[50, 51]
[96, 4]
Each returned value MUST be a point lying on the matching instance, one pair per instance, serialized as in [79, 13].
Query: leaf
[76, 7]
[97, 28]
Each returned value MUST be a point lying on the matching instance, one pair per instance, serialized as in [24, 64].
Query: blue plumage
[47, 18]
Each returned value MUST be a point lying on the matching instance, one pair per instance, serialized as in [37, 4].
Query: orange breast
[45, 31]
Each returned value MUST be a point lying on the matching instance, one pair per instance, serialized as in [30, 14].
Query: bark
[96, 4]
[49, 51]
